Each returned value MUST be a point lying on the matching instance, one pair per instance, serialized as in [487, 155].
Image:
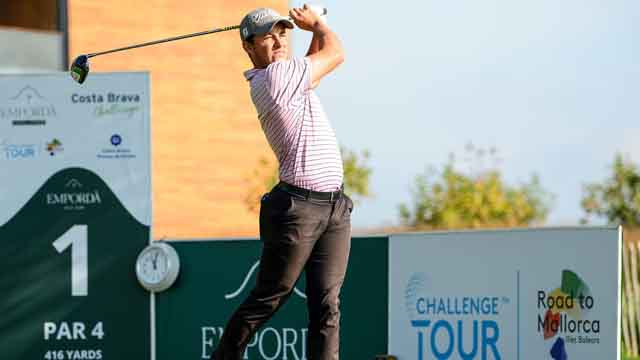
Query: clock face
[157, 267]
[153, 265]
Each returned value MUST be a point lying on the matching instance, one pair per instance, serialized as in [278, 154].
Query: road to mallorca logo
[455, 326]
[246, 281]
[27, 108]
[563, 315]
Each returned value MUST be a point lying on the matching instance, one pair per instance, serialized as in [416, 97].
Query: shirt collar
[249, 74]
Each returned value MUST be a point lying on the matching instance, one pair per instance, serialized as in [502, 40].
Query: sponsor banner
[76, 211]
[48, 123]
[522, 294]
[216, 276]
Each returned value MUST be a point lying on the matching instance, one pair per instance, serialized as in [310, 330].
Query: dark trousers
[298, 232]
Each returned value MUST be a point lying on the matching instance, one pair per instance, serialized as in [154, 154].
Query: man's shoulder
[293, 64]
[282, 82]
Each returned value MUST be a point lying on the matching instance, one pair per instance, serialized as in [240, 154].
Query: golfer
[305, 220]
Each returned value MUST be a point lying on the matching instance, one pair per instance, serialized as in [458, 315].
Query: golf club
[79, 69]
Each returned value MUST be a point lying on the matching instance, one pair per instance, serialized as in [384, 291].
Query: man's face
[270, 47]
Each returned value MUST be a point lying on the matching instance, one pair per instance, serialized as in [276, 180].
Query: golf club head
[80, 68]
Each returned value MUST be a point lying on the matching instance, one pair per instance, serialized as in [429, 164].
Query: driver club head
[79, 69]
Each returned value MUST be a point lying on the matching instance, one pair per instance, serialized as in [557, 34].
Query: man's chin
[279, 57]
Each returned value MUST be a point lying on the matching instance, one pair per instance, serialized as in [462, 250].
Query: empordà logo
[74, 197]
[247, 277]
[452, 327]
[563, 315]
[27, 108]
[269, 342]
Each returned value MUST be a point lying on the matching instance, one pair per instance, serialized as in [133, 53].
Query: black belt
[310, 194]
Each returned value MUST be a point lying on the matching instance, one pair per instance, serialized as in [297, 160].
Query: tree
[479, 199]
[356, 178]
[617, 198]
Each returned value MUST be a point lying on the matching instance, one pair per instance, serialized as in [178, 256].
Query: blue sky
[553, 85]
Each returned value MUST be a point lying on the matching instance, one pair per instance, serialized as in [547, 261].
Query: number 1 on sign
[76, 237]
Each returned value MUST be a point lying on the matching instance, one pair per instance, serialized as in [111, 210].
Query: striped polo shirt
[295, 125]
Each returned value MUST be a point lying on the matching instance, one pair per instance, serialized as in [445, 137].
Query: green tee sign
[69, 235]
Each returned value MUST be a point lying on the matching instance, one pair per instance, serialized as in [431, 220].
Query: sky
[553, 85]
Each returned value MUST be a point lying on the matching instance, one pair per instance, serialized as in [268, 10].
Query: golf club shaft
[165, 40]
[233, 27]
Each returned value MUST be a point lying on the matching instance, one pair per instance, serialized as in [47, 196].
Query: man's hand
[305, 18]
[325, 51]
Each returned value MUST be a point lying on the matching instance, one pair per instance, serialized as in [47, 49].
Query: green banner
[216, 276]
[69, 287]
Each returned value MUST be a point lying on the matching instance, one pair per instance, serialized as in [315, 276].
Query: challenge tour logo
[18, 151]
[74, 197]
[27, 108]
[452, 327]
[269, 342]
[563, 315]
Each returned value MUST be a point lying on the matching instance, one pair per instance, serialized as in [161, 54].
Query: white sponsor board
[513, 294]
[48, 122]
[75, 189]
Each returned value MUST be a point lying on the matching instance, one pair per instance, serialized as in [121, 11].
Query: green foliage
[617, 198]
[357, 173]
[480, 199]
[624, 356]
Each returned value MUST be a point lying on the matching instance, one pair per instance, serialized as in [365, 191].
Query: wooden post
[628, 314]
[635, 292]
[625, 328]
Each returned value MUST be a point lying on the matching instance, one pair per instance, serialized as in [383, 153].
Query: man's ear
[248, 47]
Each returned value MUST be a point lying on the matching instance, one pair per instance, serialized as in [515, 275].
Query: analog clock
[157, 266]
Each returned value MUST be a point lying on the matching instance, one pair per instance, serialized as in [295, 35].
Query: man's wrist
[320, 28]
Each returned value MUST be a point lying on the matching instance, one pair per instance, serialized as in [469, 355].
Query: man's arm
[314, 47]
[329, 52]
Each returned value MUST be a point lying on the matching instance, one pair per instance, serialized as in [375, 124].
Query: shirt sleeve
[288, 82]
